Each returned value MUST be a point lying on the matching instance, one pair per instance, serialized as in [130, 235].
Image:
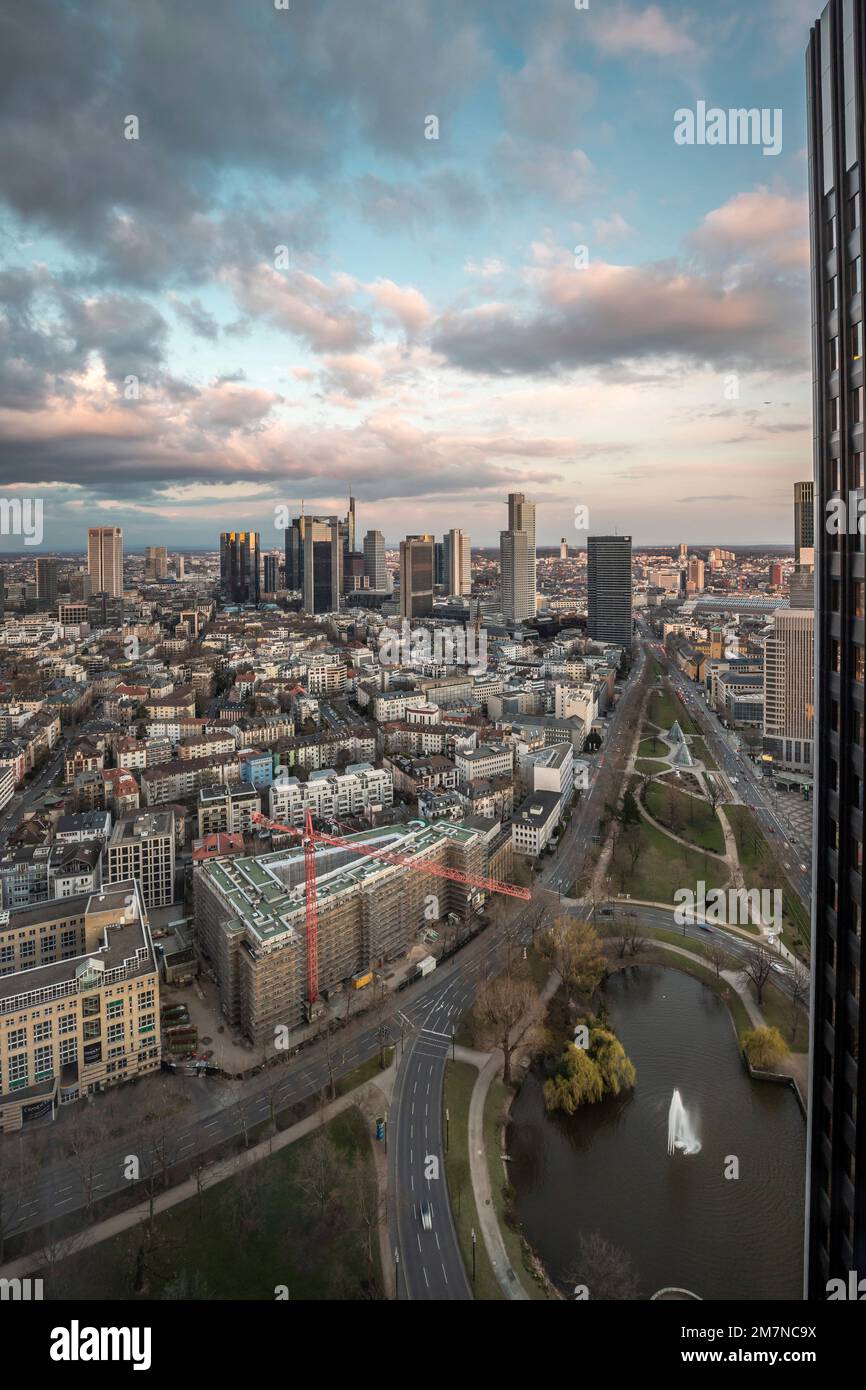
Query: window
[831, 294]
[44, 1062]
[831, 234]
[16, 1038]
[115, 1032]
[42, 1031]
[833, 354]
[833, 413]
[854, 285]
[18, 1073]
[858, 598]
[856, 341]
[855, 405]
[68, 1051]
[853, 213]
[66, 1023]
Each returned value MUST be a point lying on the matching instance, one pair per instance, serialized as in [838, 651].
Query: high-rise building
[416, 576]
[294, 570]
[775, 574]
[80, 586]
[563, 549]
[105, 560]
[609, 589]
[836, 1144]
[354, 578]
[46, 583]
[180, 565]
[458, 561]
[271, 573]
[321, 548]
[155, 562]
[684, 552]
[240, 571]
[374, 560]
[695, 574]
[142, 848]
[517, 560]
[789, 681]
[804, 517]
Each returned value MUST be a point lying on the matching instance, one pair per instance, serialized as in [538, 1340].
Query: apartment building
[227, 810]
[79, 1001]
[142, 848]
[183, 777]
[330, 795]
[534, 822]
[485, 761]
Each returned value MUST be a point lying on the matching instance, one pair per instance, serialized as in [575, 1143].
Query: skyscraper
[517, 560]
[804, 517]
[416, 576]
[563, 549]
[271, 573]
[374, 560]
[294, 542]
[836, 1145]
[609, 589]
[789, 681]
[105, 560]
[458, 561]
[155, 562]
[46, 583]
[321, 550]
[240, 571]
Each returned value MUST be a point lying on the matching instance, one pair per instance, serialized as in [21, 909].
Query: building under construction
[251, 918]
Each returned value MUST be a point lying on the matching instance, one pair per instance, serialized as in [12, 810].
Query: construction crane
[310, 838]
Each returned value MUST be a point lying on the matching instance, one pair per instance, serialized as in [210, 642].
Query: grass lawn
[497, 1099]
[701, 753]
[776, 1009]
[364, 1072]
[665, 708]
[244, 1237]
[694, 820]
[460, 1078]
[759, 860]
[664, 866]
[652, 746]
[649, 765]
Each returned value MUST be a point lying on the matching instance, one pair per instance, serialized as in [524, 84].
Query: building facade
[609, 589]
[105, 560]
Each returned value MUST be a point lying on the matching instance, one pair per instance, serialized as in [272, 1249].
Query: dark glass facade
[240, 570]
[836, 1160]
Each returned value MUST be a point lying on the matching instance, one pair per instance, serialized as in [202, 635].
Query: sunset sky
[431, 343]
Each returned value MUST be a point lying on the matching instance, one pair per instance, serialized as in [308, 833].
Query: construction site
[284, 931]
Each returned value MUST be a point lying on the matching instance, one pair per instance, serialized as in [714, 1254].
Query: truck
[363, 977]
[425, 966]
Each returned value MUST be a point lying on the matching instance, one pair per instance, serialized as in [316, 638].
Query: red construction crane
[310, 838]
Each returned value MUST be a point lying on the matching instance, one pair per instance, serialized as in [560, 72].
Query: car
[427, 1216]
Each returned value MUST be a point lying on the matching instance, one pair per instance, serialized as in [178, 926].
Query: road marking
[435, 1034]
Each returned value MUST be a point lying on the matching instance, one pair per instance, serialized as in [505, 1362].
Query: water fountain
[681, 1131]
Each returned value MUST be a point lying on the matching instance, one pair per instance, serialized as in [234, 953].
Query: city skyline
[235, 310]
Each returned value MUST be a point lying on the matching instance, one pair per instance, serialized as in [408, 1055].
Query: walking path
[369, 1098]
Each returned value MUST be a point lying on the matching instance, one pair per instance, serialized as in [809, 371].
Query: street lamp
[447, 1127]
[473, 1254]
[396, 1273]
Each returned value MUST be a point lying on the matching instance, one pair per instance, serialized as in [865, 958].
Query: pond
[607, 1170]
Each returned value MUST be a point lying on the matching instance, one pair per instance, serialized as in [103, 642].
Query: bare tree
[758, 965]
[603, 1269]
[577, 954]
[716, 955]
[500, 1006]
[800, 987]
[318, 1168]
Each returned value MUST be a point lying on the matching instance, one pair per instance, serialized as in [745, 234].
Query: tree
[603, 1269]
[764, 1047]
[716, 955]
[577, 954]
[616, 1070]
[759, 963]
[318, 1170]
[500, 1006]
[800, 983]
[577, 1082]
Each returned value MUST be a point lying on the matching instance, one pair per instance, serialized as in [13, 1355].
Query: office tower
[240, 571]
[80, 587]
[695, 573]
[105, 560]
[609, 589]
[775, 575]
[440, 562]
[2, 594]
[804, 518]
[46, 583]
[458, 559]
[416, 576]
[350, 527]
[294, 543]
[374, 560]
[155, 562]
[563, 549]
[180, 565]
[271, 574]
[321, 547]
[684, 553]
[836, 1144]
[517, 560]
[354, 578]
[789, 680]
[801, 586]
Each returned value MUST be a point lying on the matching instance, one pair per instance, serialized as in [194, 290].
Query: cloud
[621, 31]
[318, 314]
[757, 224]
[404, 303]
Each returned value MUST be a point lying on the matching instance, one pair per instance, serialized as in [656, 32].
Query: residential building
[228, 810]
[331, 795]
[142, 847]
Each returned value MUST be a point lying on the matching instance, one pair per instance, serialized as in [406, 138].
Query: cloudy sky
[283, 289]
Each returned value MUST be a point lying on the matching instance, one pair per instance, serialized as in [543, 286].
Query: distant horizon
[759, 548]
